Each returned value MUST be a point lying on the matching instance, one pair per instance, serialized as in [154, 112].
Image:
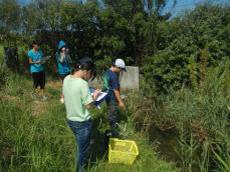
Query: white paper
[101, 96]
[44, 59]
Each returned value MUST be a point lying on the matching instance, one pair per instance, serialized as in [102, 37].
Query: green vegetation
[1, 52]
[184, 70]
[35, 136]
[198, 121]
[196, 41]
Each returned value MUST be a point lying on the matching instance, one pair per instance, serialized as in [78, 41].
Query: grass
[199, 117]
[1, 53]
[34, 135]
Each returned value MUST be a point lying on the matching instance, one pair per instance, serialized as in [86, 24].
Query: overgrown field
[182, 110]
[34, 135]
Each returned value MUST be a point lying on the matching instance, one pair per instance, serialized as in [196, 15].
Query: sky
[179, 8]
[183, 5]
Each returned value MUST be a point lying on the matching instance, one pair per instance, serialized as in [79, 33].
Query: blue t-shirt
[110, 83]
[63, 65]
[36, 56]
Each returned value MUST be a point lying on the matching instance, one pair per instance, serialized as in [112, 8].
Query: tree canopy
[169, 51]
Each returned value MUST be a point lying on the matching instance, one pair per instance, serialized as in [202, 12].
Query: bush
[3, 75]
[199, 116]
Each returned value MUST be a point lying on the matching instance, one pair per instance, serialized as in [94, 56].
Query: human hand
[121, 105]
[96, 93]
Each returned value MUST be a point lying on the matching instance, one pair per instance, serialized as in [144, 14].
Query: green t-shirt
[76, 95]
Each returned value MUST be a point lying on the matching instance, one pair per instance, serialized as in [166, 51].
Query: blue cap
[61, 44]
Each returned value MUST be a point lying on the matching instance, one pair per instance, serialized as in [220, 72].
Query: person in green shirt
[77, 100]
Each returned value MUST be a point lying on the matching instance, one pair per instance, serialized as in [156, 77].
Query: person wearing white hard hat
[113, 99]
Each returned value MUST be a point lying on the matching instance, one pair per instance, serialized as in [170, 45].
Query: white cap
[120, 63]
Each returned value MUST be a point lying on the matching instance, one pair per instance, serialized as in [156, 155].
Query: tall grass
[1, 52]
[31, 143]
[34, 135]
[199, 116]
[2, 70]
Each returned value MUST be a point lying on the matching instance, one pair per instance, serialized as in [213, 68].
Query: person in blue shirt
[113, 99]
[63, 61]
[61, 44]
[37, 68]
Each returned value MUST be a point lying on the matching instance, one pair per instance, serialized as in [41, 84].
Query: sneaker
[62, 100]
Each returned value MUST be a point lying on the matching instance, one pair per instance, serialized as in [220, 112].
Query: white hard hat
[120, 63]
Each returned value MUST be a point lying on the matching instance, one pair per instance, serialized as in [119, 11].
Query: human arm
[69, 60]
[118, 98]
[87, 98]
[94, 96]
[116, 89]
[31, 61]
[35, 58]
[59, 59]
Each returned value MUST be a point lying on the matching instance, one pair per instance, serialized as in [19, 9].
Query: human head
[119, 65]
[61, 44]
[63, 49]
[35, 45]
[87, 68]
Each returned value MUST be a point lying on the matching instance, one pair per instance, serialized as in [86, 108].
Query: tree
[9, 18]
[195, 38]
[157, 5]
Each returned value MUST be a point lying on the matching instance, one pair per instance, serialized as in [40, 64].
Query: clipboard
[101, 97]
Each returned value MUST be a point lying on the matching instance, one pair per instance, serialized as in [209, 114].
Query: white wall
[130, 79]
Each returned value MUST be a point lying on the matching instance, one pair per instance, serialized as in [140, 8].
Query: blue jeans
[82, 132]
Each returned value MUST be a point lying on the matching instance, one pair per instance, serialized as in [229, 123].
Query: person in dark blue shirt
[112, 86]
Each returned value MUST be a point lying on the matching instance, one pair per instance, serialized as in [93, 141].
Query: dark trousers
[113, 112]
[82, 132]
[39, 79]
